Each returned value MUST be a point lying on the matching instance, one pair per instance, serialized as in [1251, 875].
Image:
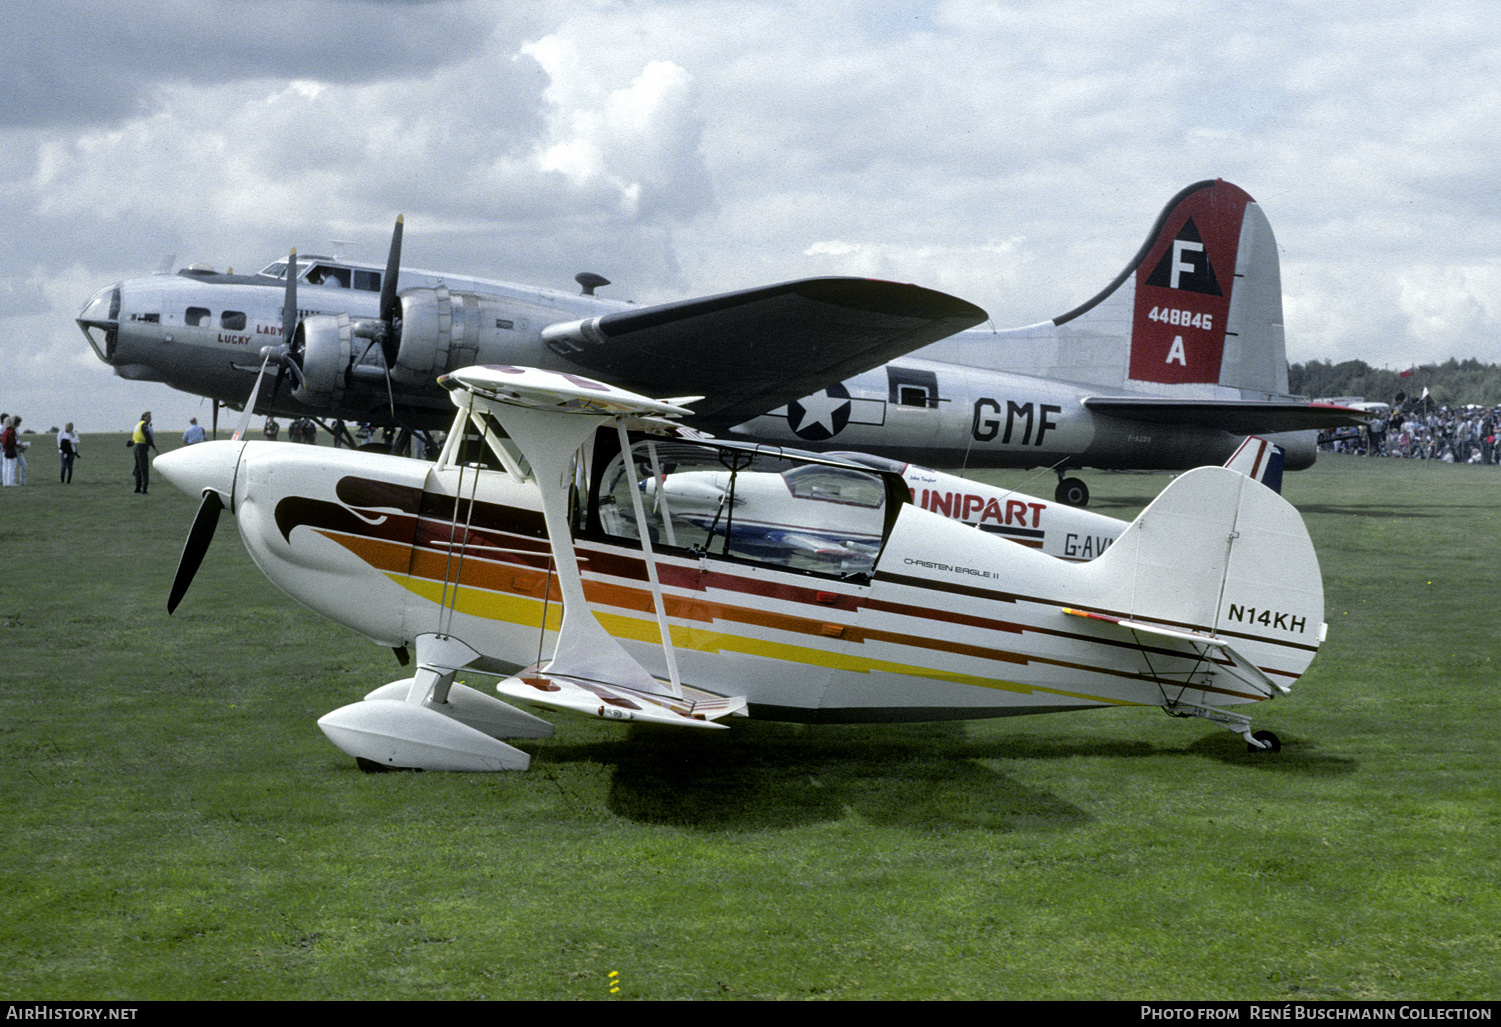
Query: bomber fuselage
[955, 415]
[203, 332]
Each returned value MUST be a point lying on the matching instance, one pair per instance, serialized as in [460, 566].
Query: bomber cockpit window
[746, 505]
[326, 274]
[366, 281]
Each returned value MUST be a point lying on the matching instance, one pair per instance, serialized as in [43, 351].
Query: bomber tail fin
[1196, 311]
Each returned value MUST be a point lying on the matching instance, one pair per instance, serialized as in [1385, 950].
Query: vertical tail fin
[1218, 553]
[1198, 307]
[1259, 460]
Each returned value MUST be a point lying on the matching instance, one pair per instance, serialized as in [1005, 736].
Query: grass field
[175, 825]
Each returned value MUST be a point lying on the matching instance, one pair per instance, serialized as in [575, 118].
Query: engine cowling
[442, 331]
[438, 331]
[325, 345]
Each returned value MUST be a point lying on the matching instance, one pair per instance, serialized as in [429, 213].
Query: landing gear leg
[1239, 723]
[1071, 491]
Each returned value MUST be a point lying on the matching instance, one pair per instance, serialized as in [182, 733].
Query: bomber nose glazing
[100, 319]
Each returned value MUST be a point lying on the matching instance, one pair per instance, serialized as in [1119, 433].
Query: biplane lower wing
[613, 702]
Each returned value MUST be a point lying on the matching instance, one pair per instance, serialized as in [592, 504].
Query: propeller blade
[281, 372]
[250, 403]
[388, 305]
[199, 537]
[386, 368]
[289, 302]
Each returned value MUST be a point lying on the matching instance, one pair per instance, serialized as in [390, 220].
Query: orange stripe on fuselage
[517, 578]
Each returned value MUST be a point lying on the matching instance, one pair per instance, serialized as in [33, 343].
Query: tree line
[1453, 383]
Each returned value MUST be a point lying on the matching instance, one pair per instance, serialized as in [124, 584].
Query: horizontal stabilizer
[1248, 417]
[614, 702]
[1225, 659]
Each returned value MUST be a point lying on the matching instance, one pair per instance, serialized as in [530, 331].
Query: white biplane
[575, 543]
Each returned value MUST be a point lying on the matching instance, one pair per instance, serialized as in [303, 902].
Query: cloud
[94, 61]
[1011, 153]
[638, 142]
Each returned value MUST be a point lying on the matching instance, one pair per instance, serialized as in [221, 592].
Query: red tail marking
[1183, 289]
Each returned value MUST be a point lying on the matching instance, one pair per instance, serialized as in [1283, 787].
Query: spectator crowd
[1467, 435]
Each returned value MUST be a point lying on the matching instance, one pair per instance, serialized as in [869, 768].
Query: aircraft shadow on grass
[921, 777]
[1302, 758]
[767, 776]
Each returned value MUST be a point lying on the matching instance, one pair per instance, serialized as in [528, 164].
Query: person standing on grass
[15, 452]
[67, 449]
[142, 440]
[10, 445]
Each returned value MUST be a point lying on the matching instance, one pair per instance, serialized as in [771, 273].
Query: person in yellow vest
[141, 440]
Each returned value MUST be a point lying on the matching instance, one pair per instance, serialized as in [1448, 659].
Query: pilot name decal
[988, 420]
[1183, 287]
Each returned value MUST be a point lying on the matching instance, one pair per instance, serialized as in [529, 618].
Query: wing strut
[651, 563]
[550, 416]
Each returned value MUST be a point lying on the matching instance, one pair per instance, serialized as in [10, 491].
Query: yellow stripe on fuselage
[527, 612]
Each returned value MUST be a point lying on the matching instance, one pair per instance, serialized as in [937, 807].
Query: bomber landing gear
[1071, 491]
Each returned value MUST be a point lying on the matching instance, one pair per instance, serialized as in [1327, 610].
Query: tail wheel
[1072, 492]
[1269, 742]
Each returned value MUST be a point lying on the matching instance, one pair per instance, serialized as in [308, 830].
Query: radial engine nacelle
[438, 331]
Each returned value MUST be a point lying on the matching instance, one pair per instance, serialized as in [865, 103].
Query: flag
[1407, 373]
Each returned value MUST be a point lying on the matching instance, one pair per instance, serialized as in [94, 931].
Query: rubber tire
[1275, 743]
[1072, 492]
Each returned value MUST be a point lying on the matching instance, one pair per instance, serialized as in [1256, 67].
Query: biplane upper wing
[752, 351]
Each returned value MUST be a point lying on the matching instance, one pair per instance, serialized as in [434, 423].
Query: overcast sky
[1014, 154]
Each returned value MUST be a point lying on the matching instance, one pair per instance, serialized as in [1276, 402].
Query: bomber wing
[752, 351]
[1238, 417]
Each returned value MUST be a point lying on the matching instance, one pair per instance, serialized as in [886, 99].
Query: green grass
[176, 826]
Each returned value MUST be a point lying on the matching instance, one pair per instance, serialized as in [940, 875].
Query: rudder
[1220, 554]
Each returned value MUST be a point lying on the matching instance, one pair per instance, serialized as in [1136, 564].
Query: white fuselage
[949, 623]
